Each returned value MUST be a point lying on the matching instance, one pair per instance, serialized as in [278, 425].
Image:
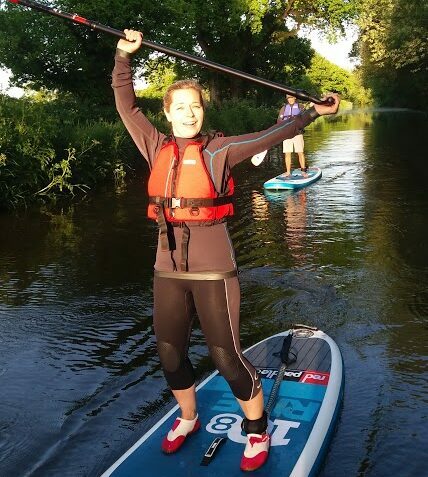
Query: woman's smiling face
[186, 113]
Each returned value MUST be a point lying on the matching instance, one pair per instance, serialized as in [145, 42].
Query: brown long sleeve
[146, 137]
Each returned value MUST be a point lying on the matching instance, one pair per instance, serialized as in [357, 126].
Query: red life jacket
[183, 189]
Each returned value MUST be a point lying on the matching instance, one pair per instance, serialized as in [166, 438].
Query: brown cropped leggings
[217, 305]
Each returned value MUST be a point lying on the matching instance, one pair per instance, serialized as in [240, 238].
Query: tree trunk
[236, 88]
[214, 91]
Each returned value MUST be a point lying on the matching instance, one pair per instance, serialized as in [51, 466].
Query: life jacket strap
[167, 239]
[199, 223]
[185, 202]
[184, 265]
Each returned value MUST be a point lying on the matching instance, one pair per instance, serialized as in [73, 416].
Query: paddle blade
[257, 159]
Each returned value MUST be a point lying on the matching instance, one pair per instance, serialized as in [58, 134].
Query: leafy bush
[47, 148]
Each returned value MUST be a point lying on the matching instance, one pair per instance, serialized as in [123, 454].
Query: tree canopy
[46, 52]
[393, 47]
[323, 76]
[257, 36]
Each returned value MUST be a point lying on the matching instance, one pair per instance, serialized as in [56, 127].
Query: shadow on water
[80, 380]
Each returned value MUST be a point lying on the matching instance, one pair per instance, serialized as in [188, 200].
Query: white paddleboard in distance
[257, 159]
[295, 180]
[301, 423]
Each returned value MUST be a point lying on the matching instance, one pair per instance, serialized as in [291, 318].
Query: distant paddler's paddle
[257, 159]
[297, 93]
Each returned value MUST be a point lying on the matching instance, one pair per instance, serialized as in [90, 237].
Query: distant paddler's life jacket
[290, 110]
[183, 191]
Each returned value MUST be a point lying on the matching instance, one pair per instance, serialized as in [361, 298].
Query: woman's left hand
[322, 109]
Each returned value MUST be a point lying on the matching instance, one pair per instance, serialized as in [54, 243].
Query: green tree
[328, 16]
[393, 46]
[324, 76]
[45, 52]
[256, 36]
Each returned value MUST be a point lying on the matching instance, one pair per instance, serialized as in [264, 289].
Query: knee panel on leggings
[227, 363]
[230, 365]
[169, 356]
[177, 368]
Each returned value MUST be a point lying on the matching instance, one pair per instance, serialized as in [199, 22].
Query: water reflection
[294, 204]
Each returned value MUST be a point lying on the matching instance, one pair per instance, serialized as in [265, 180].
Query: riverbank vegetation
[55, 146]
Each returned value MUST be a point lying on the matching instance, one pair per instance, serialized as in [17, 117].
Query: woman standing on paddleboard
[190, 189]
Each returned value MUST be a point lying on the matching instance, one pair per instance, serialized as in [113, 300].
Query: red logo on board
[315, 377]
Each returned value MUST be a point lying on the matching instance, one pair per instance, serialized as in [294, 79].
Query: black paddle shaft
[297, 93]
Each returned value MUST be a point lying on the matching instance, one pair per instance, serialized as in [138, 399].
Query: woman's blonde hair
[182, 84]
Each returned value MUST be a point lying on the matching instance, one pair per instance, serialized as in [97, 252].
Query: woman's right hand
[133, 41]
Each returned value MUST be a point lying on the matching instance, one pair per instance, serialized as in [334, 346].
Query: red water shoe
[177, 435]
[256, 451]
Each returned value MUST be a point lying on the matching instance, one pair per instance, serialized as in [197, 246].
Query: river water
[79, 377]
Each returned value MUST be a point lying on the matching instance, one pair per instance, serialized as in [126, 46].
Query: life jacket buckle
[175, 203]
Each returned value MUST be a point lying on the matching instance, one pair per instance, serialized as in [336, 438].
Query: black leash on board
[286, 360]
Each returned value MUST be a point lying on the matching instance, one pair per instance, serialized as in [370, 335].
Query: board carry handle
[214, 447]
[297, 93]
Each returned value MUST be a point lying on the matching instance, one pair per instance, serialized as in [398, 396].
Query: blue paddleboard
[293, 181]
[301, 423]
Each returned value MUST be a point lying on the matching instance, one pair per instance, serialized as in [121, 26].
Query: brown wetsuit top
[210, 248]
